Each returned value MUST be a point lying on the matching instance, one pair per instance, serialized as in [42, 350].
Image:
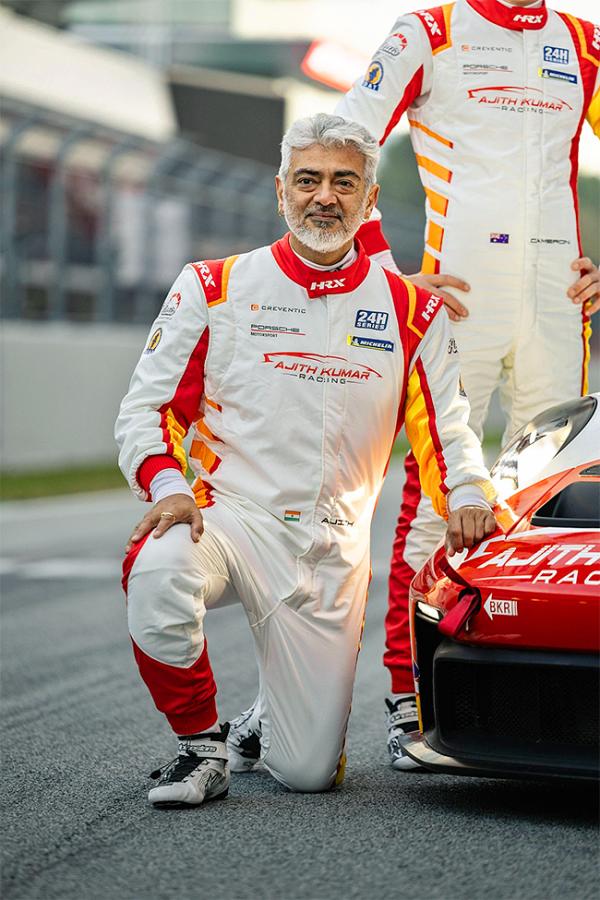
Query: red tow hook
[469, 602]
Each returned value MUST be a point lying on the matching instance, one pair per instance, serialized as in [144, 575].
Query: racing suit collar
[516, 18]
[316, 281]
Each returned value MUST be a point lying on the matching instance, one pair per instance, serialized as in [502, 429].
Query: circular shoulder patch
[154, 341]
[373, 76]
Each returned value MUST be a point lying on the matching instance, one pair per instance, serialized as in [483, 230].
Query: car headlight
[538, 442]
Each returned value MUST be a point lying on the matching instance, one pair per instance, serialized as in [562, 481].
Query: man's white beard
[320, 239]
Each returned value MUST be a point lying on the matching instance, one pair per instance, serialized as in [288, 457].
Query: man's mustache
[332, 211]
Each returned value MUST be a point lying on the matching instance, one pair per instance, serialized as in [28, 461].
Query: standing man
[496, 93]
[295, 366]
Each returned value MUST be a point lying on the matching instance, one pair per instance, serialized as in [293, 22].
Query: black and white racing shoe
[243, 742]
[199, 772]
[402, 717]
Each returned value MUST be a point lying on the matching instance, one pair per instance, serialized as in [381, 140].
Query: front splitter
[416, 746]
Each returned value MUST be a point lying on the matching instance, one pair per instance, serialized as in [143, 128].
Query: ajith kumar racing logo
[320, 368]
[549, 564]
[518, 99]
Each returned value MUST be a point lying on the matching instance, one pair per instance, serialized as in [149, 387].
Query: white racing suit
[496, 97]
[295, 383]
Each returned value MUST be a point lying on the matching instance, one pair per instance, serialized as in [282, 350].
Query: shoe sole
[177, 804]
[408, 766]
[241, 769]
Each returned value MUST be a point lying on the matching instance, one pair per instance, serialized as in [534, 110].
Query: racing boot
[199, 772]
[402, 717]
[243, 742]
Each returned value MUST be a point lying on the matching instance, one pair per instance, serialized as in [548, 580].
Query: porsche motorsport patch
[354, 340]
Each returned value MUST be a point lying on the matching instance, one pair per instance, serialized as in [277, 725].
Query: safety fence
[95, 225]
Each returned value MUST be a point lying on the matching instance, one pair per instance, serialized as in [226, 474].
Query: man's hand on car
[587, 288]
[467, 526]
[167, 512]
[455, 309]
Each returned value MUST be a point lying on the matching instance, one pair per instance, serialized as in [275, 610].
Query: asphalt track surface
[80, 735]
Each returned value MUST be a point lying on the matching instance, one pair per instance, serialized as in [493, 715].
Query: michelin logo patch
[560, 76]
[558, 55]
[371, 318]
[370, 343]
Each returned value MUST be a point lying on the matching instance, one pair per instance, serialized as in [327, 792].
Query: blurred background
[138, 135]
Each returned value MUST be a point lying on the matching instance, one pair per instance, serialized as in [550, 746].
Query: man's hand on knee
[167, 512]
[467, 526]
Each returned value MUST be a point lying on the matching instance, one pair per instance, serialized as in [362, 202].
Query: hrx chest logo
[331, 285]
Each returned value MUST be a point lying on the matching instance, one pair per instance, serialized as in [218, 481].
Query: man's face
[324, 197]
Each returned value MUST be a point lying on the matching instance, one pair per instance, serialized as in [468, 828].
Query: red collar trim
[316, 281]
[517, 18]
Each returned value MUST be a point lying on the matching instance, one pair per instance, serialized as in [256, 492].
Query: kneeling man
[294, 365]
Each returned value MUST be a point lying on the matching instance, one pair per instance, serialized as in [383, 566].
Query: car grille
[503, 705]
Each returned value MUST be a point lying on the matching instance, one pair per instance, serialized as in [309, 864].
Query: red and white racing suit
[496, 97]
[294, 382]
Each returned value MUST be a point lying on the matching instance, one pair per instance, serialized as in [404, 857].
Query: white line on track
[93, 568]
[43, 569]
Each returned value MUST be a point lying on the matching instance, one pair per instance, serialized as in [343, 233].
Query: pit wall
[61, 386]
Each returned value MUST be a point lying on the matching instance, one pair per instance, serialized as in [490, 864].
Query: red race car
[505, 636]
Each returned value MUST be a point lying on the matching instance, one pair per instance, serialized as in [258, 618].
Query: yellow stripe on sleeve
[416, 422]
[430, 165]
[593, 113]
[587, 333]
[224, 281]
[412, 305]
[177, 434]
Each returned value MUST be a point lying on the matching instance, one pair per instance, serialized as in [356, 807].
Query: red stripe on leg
[185, 696]
[397, 630]
[130, 559]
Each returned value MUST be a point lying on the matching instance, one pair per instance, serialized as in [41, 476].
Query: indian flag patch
[291, 515]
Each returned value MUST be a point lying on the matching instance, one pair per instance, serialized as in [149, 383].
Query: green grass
[71, 480]
[78, 479]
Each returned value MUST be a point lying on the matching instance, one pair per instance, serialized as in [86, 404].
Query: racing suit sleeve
[593, 113]
[166, 388]
[399, 75]
[436, 412]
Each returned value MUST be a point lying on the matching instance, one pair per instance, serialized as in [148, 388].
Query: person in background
[496, 93]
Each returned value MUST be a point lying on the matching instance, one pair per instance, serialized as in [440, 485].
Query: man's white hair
[330, 131]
